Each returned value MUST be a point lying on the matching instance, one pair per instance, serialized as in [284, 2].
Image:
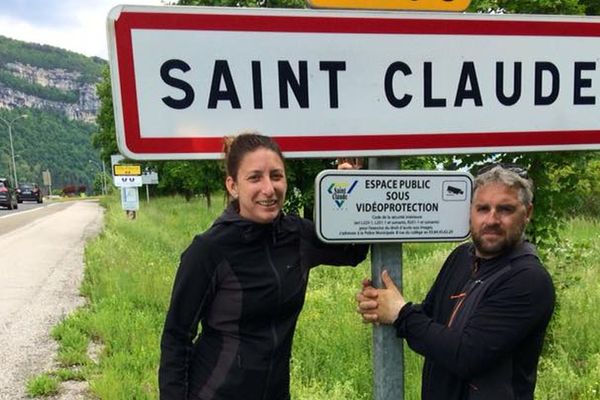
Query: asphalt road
[41, 268]
[26, 213]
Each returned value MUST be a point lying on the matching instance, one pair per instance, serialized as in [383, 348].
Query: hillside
[57, 90]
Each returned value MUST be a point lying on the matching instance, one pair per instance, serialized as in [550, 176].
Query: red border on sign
[127, 21]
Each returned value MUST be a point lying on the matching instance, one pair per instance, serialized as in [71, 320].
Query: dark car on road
[29, 192]
[8, 196]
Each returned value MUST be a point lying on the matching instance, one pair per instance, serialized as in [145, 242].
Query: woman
[244, 281]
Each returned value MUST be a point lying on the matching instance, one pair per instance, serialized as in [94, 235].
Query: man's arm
[510, 312]
[501, 321]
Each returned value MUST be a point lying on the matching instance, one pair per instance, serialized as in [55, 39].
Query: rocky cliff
[82, 106]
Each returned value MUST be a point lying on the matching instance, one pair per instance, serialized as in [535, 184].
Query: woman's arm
[194, 286]
[315, 252]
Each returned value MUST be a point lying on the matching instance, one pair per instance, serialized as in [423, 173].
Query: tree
[48, 140]
[528, 6]
[592, 7]
[105, 139]
[190, 178]
[245, 3]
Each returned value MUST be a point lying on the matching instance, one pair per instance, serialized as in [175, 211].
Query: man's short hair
[499, 174]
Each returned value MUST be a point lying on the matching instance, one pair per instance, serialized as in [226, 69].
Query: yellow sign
[127, 170]
[429, 5]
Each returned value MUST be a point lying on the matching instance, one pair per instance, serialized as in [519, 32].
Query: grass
[130, 269]
[42, 385]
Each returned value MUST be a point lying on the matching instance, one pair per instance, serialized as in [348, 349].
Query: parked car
[29, 192]
[8, 197]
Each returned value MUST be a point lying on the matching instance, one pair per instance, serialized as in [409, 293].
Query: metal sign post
[149, 178]
[130, 200]
[47, 178]
[388, 359]
[385, 207]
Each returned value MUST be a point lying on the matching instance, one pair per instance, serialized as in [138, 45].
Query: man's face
[498, 219]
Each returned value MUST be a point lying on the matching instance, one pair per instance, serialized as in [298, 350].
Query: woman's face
[259, 186]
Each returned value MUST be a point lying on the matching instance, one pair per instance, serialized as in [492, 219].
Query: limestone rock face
[85, 108]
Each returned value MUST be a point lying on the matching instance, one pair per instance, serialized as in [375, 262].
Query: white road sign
[150, 178]
[127, 181]
[392, 206]
[352, 83]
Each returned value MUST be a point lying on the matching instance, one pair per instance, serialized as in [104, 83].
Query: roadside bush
[69, 190]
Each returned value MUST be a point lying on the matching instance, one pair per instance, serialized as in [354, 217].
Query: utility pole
[101, 168]
[12, 150]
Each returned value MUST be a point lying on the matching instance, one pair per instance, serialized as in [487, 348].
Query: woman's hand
[350, 163]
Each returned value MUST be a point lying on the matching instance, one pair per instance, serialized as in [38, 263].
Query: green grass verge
[130, 269]
[42, 385]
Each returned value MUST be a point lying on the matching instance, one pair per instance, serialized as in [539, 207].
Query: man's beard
[486, 249]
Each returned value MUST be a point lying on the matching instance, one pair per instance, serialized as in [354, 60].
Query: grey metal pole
[100, 169]
[388, 360]
[147, 194]
[104, 178]
[12, 150]
[9, 165]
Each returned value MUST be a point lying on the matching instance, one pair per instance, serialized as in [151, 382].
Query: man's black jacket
[481, 326]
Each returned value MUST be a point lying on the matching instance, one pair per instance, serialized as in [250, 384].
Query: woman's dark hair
[236, 147]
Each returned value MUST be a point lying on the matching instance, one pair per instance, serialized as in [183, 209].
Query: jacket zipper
[462, 296]
[273, 327]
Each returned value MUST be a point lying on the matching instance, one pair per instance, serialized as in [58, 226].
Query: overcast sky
[76, 25]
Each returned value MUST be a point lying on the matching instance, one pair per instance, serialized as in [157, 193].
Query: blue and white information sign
[130, 199]
[392, 206]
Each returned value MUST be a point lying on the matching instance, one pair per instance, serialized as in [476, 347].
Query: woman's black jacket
[245, 284]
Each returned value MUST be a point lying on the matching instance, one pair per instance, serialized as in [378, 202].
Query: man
[482, 324]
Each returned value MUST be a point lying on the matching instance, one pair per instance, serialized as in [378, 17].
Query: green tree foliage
[529, 6]
[301, 184]
[245, 3]
[100, 180]
[586, 199]
[48, 141]
[49, 57]
[592, 7]
[190, 178]
[561, 186]
[105, 138]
